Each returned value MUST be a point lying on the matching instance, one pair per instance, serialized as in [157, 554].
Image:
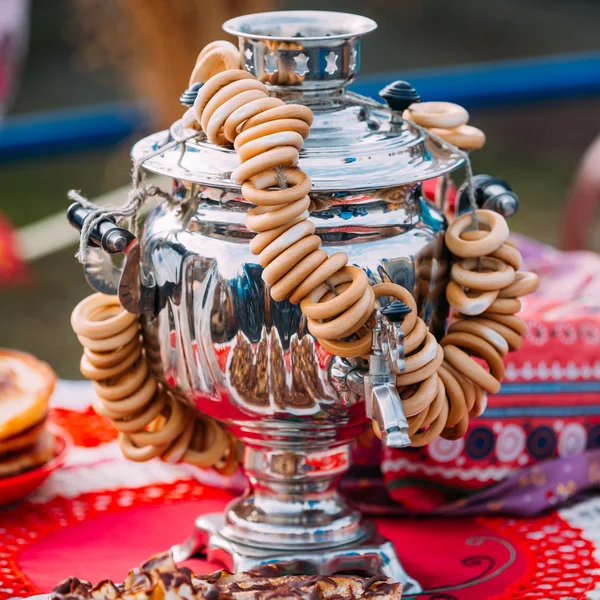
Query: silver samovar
[249, 361]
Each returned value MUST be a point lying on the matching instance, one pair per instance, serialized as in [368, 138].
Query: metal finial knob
[189, 96]
[396, 311]
[399, 95]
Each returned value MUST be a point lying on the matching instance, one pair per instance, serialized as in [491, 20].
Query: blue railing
[475, 86]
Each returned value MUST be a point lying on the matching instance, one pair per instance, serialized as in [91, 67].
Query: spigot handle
[387, 411]
[106, 234]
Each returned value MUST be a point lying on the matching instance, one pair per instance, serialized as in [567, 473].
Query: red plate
[17, 487]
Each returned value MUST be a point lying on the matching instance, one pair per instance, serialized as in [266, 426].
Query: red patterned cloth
[548, 408]
[101, 515]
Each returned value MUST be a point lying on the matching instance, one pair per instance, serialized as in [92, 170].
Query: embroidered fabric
[553, 556]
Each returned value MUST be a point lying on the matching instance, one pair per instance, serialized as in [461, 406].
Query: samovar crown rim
[256, 26]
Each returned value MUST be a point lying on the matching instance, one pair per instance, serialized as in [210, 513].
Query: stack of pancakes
[25, 388]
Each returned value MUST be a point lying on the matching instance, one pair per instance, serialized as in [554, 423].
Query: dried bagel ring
[490, 335]
[435, 408]
[337, 327]
[215, 439]
[465, 137]
[515, 323]
[438, 114]
[264, 218]
[416, 337]
[507, 252]
[211, 46]
[261, 240]
[455, 395]
[284, 241]
[124, 384]
[332, 265]
[259, 145]
[360, 324]
[469, 303]
[137, 453]
[101, 409]
[525, 283]
[126, 390]
[286, 156]
[179, 446]
[111, 343]
[287, 111]
[479, 347]
[140, 420]
[497, 235]
[220, 56]
[510, 255]
[467, 386]
[166, 428]
[512, 338]
[87, 320]
[89, 371]
[256, 190]
[480, 403]
[345, 349]
[301, 271]
[239, 116]
[286, 262]
[416, 422]
[494, 275]
[396, 291]
[462, 362]
[225, 102]
[423, 356]
[422, 398]
[457, 431]
[312, 306]
[420, 374]
[212, 87]
[297, 126]
[105, 360]
[135, 402]
[504, 306]
[436, 427]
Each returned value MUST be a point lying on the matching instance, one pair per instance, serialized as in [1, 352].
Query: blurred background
[115, 69]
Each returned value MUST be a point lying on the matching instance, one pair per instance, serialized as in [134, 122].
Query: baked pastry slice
[160, 578]
[31, 457]
[26, 384]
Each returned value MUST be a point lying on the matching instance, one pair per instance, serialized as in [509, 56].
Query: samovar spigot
[383, 402]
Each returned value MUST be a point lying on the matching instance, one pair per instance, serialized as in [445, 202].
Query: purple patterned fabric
[527, 493]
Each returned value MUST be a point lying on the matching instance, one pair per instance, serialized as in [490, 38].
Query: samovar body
[223, 344]
[249, 361]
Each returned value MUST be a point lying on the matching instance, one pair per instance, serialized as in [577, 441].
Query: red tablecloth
[101, 515]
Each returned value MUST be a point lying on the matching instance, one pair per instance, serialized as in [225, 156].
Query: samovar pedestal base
[370, 555]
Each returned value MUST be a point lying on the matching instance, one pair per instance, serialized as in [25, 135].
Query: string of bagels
[443, 384]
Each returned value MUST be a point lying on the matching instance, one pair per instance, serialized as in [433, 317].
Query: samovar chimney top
[301, 50]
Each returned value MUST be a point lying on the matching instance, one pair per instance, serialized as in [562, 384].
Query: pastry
[23, 440]
[40, 453]
[160, 578]
[25, 388]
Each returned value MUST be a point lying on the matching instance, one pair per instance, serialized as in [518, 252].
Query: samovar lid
[310, 57]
